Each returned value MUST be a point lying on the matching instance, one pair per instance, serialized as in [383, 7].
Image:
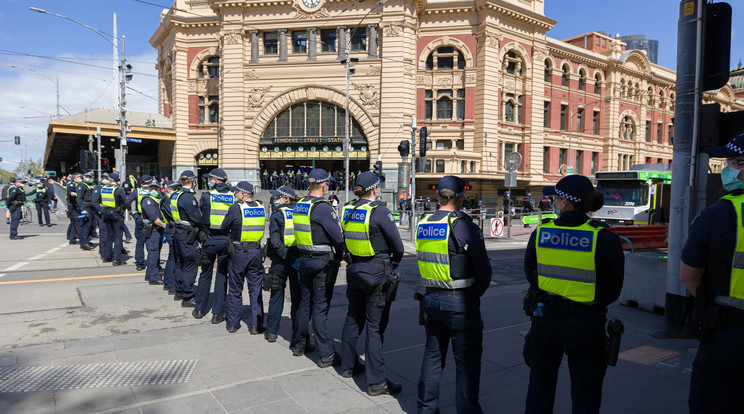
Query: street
[63, 310]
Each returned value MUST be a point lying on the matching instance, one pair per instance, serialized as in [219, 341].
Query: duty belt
[247, 245]
[324, 255]
[456, 292]
[558, 300]
[374, 260]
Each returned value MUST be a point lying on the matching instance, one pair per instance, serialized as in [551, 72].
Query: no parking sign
[497, 227]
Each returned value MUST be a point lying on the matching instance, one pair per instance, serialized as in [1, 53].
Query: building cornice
[514, 12]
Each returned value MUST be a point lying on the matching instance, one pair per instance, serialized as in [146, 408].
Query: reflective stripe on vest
[432, 251]
[355, 222]
[254, 222]
[302, 227]
[174, 208]
[107, 196]
[565, 261]
[289, 235]
[219, 203]
[141, 193]
[735, 296]
[157, 201]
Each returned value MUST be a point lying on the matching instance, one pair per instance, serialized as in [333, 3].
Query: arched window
[311, 126]
[547, 71]
[564, 76]
[445, 58]
[209, 109]
[513, 64]
[582, 79]
[597, 82]
[512, 108]
[650, 96]
[210, 67]
[627, 128]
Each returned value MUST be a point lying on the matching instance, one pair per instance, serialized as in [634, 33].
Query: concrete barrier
[645, 281]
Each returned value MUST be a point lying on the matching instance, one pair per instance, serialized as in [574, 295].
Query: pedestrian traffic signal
[104, 163]
[404, 148]
[423, 133]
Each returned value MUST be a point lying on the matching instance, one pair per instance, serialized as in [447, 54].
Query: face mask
[88, 180]
[556, 211]
[105, 182]
[277, 203]
[154, 193]
[729, 178]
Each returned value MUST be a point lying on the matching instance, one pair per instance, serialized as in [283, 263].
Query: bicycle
[27, 214]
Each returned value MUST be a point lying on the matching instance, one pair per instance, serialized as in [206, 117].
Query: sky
[82, 60]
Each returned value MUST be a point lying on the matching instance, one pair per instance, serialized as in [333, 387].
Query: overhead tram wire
[11, 52]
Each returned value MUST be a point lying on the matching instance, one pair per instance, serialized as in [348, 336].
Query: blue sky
[82, 60]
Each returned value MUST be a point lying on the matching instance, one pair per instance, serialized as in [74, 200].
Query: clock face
[311, 3]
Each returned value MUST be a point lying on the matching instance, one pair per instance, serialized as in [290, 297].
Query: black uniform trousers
[153, 245]
[72, 228]
[213, 249]
[43, 208]
[114, 223]
[186, 266]
[103, 234]
[245, 266]
[717, 383]
[317, 278]
[83, 223]
[456, 318]
[579, 333]
[367, 307]
[169, 279]
[276, 298]
[139, 235]
[15, 220]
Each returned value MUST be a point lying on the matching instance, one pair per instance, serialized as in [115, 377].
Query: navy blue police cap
[172, 184]
[219, 174]
[153, 183]
[572, 187]
[114, 176]
[318, 176]
[188, 174]
[734, 148]
[144, 178]
[104, 175]
[284, 191]
[245, 187]
[368, 180]
[77, 174]
[452, 183]
[88, 174]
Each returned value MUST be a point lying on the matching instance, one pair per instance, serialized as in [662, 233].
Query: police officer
[169, 279]
[285, 258]
[245, 223]
[98, 211]
[320, 241]
[73, 232]
[187, 219]
[43, 200]
[265, 180]
[84, 210]
[375, 250]
[135, 196]
[154, 226]
[113, 200]
[711, 269]
[6, 189]
[570, 289]
[214, 205]
[454, 267]
[545, 204]
[16, 199]
[274, 180]
[528, 206]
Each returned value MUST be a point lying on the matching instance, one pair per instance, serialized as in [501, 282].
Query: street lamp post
[348, 63]
[55, 80]
[124, 77]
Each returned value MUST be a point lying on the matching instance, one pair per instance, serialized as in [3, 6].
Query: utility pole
[98, 145]
[123, 77]
[413, 179]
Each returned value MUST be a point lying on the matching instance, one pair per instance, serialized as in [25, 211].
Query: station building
[260, 84]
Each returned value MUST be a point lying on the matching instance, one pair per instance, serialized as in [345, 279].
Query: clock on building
[311, 4]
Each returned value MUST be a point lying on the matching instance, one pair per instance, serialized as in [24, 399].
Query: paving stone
[203, 403]
[320, 391]
[93, 399]
[285, 406]
[250, 395]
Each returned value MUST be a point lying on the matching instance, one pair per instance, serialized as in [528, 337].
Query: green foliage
[36, 167]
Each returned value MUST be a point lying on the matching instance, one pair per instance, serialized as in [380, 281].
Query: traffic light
[423, 133]
[404, 148]
[378, 168]
[720, 127]
[17, 140]
[716, 45]
[104, 164]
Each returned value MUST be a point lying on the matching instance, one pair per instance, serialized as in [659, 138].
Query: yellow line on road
[16, 282]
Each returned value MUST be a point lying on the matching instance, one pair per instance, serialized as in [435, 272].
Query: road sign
[535, 218]
[510, 179]
[497, 227]
[513, 161]
[569, 170]
[135, 140]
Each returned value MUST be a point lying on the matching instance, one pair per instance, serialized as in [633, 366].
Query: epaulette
[378, 203]
[598, 224]
[546, 220]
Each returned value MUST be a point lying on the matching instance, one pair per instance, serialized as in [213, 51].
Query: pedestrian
[333, 198]
[245, 223]
[43, 202]
[6, 204]
[214, 205]
[169, 278]
[375, 250]
[187, 219]
[154, 226]
[84, 210]
[711, 270]
[16, 199]
[285, 260]
[139, 190]
[572, 281]
[455, 270]
[113, 199]
[72, 205]
[320, 241]
[50, 186]
[527, 206]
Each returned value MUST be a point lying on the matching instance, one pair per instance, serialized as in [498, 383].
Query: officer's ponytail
[359, 191]
[591, 202]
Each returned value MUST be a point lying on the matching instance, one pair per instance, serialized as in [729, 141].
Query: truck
[639, 196]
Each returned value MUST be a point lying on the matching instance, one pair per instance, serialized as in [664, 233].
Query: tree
[36, 167]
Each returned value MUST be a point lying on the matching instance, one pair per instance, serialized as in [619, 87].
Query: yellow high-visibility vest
[141, 193]
[735, 297]
[302, 227]
[432, 251]
[254, 222]
[107, 196]
[565, 260]
[289, 235]
[219, 203]
[355, 223]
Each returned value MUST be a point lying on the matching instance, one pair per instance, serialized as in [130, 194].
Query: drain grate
[62, 377]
